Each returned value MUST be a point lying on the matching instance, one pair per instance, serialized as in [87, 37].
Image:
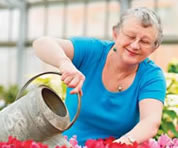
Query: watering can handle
[19, 95]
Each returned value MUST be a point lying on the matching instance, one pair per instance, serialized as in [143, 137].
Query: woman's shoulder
[152, 82]
[90, 40]
[149, 69]
[89, 49]
[149, 65]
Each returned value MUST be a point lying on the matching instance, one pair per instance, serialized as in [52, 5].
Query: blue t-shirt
[104, 113]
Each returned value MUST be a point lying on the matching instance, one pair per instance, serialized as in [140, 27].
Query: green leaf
[172, 114]
[173, 66]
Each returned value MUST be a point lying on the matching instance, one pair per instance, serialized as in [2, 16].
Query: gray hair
[147, 17]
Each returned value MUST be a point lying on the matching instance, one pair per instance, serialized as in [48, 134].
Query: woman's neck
[116, 65]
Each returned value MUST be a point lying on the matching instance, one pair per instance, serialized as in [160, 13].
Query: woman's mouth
[132, 53]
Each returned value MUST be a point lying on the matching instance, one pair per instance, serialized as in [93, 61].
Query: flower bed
[163, 142]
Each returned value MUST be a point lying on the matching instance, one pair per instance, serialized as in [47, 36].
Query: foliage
[8, 94]
[169, 123]
[173, 66]
[172, 83]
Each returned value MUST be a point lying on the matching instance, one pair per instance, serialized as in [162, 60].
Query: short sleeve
[86, 50]
[153, 85]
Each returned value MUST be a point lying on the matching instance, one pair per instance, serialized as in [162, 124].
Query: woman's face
[134, 42]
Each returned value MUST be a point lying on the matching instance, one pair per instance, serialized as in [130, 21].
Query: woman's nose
[135, 45]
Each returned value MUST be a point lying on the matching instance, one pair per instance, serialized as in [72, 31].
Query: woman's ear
[156, 46]
[115, 32]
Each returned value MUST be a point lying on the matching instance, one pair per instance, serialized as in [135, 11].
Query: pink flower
[153, 143]
[73, 141]
[175, 142]
[65, 137]
[164, 141]
[34, 145]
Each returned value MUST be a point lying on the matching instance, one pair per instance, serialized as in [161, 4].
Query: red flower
[109, 140]
[95, 143]
[108, 143]
[27, 144]
[120, 145]
[99, 143]
[15, 143]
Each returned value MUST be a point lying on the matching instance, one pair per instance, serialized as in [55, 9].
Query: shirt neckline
[108, 48]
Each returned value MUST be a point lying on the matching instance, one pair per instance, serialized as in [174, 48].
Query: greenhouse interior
[23, 21]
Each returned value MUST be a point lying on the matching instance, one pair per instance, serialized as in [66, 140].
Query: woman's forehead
[132, 20]
[134, 25]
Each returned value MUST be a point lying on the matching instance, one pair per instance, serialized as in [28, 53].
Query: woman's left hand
[123, 139]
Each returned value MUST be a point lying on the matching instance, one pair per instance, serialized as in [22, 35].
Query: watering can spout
[40, 115]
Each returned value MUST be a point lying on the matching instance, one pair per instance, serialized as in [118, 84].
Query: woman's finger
[74, 82]
[64, 76]
[78, 88]
[67, 80]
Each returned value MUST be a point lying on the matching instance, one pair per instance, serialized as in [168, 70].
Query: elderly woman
[123, 90]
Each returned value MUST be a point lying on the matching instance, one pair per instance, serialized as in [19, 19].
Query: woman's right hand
[72, 77]
[58, 53]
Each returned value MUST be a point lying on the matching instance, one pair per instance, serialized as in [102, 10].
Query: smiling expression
[134, 42]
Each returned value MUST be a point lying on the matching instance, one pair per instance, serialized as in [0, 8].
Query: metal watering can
[40, 115]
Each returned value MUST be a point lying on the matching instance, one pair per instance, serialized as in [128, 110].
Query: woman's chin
[130, 61]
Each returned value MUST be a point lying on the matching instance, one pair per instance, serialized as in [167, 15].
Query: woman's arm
[147, 127]
[59, 53]
[53, 51]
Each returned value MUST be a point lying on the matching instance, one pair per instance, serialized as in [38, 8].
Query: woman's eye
[145, 42]
[130, 36]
